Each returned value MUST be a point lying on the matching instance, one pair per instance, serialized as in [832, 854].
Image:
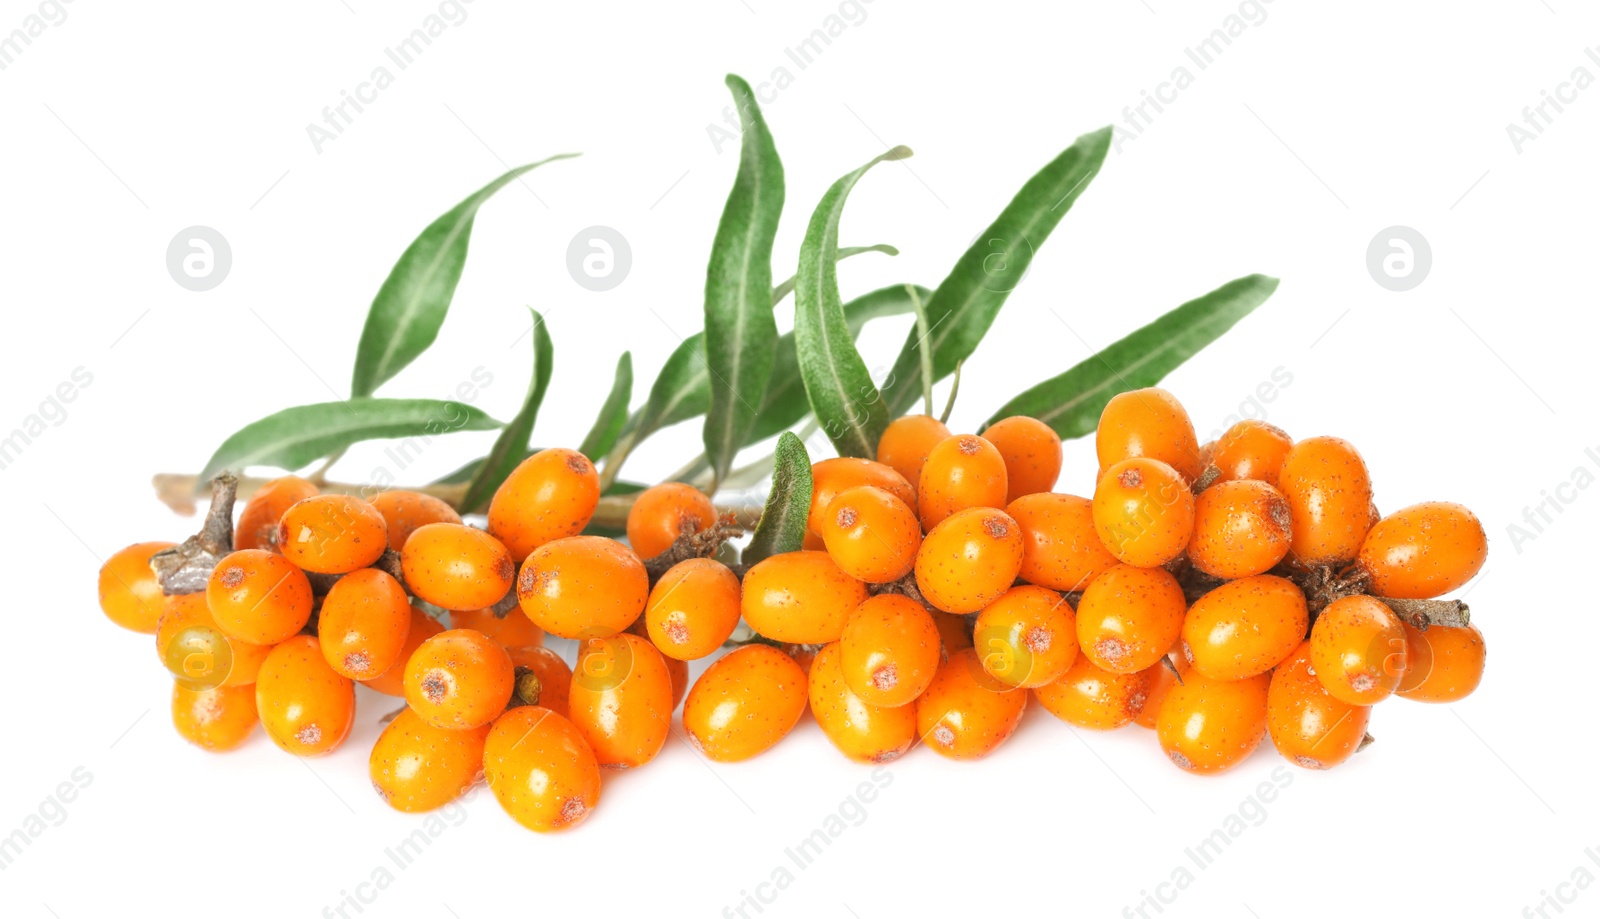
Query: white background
[1317, 127]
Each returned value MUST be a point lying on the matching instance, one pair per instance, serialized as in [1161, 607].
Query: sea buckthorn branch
[184, 569]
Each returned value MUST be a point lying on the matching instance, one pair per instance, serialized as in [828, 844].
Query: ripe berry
[862, 731]
[1144, 512]
[1443, 664]
[217, 719]
[417, 767]
[1129, 617]
[1028, 637]
[833, 475]
[459, 679]
[745, 702]
[621, 699]
[889, 650]
[130, 595]
[1162, 679]
[1207, 726]
[871, 535]
[661, 513]
[405, 512]
[540, 769]
[800, 597]
[543, 679]
[693, 609]
[1149, 423]
[1251, 449]
[966, 713]
[1032, 454]
[964, 471]
[906, 443]
[969, 560]
[583, 587]
[551, 494]
[454, 566]
[1061, 549]
[258, 597]
[1241, 528]
[1309, 727]
[1093, 698]
[364, 623]
[391, 682]
[198, 653]
[1245, 627]
[305, 706]
[677, 669]
[511, 630]
[1423, 551]
[332, 534]
[1358, 650]
[258, 522]
[1329, 492]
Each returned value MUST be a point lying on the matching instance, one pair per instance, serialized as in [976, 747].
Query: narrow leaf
[297, 436]
[1071, 403]
[410, 306]
[512, 444]
[783, 521]
[842, 394]
[787, 286]
[613, 413]
[925, 368]
[967, 301]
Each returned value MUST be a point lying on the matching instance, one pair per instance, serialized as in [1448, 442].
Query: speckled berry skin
[1028, 637]
[1358, 649]
[969, 560]
[1329, 492]
[583, 587]
[801, 597]
[889, 650]
[459, 679]
[418, 767]
[550, 495]
[1308, 727]
[1423, 551]
[1129, 617]
[693, 608]
[966, 713]
[621, 699]
[744, 703]
[1089, 697]
[862, 731]
[540, 769]
[1245, 627]
[1208, 726]
[306, 707]
[964, 471]
[1061, 549]
[1241, 528]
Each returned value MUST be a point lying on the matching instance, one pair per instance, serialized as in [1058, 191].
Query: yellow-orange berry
[1245, 627]
[416, 766]
[1144, 512]
[199, 653]
[551, 494]
[391, 682]
[1032, 454]
[1423, 551]
[130, 595]
[332, 534]
[1093, 698]
[800, 597]
[1149, 423]
[1250, 449]
[862, 731]
[966, 713]
[662, 513]
[305, 706]
[1241, 528]
[1443, 664]
[889, 650]
[258, 597]
[969, 560]
[1309, 727]
[510, 629]
[1329, 492]
[543, 679]
[693, 608]
[258, 522]
[405, 512]
[1129, 617]
[1061, 549]
[364, 623]
[459, 679]
[906, 443]
[1358, 649]
[540, 769]
[1028, 637]
[583, 587]
[835, 474]
[621, 699]
[454, 566]
[871, 535]
[218, 719]
[964, 471]
[744, 703]
[1208, 726]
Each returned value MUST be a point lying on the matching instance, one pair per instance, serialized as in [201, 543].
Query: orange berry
[305, 706]
[540, 769]
[510, 630]
[551, 494]
[1208, 726]
[583, 587]
[966, 713]
[906, 443]
[258, 597]
[1250, 449]
[871, 535]
[964, 471]
[662, 513]
[1330, 500]
[459, 679]
[1358, 650]
[1443, 664]
[416, 766]
[799, 597]
[1245, 627]
[1162, 679]
[1308, 726]
[405, 512]
[391, 682]
[364, 624]
[332, 534]
[1144, 512]
[454, 566]
[889, 650]
[1061, 549]
[1423, 551]
[969, 560]
[678, 670]
[1149, 423]
[1129, 617]
[199, 653]
[621, 699]
[693, 609]
[1241, 528]
[130, 595]
[1028, 637]
[833, 475]
[543, 679]
[258, 522]
[217, 719]
[1089, 697]
[953, 634]
[745, 702]
[862, 731]
[1032, 454]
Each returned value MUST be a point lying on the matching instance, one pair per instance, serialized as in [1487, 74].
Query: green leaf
[613, 413]
[787, 287]
[783, 520]
[297, 436]
[1071, 403]
[969, 298]
[740, 331]
[842, 394]
[512, 444]
[410, 306]
[786, 403]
